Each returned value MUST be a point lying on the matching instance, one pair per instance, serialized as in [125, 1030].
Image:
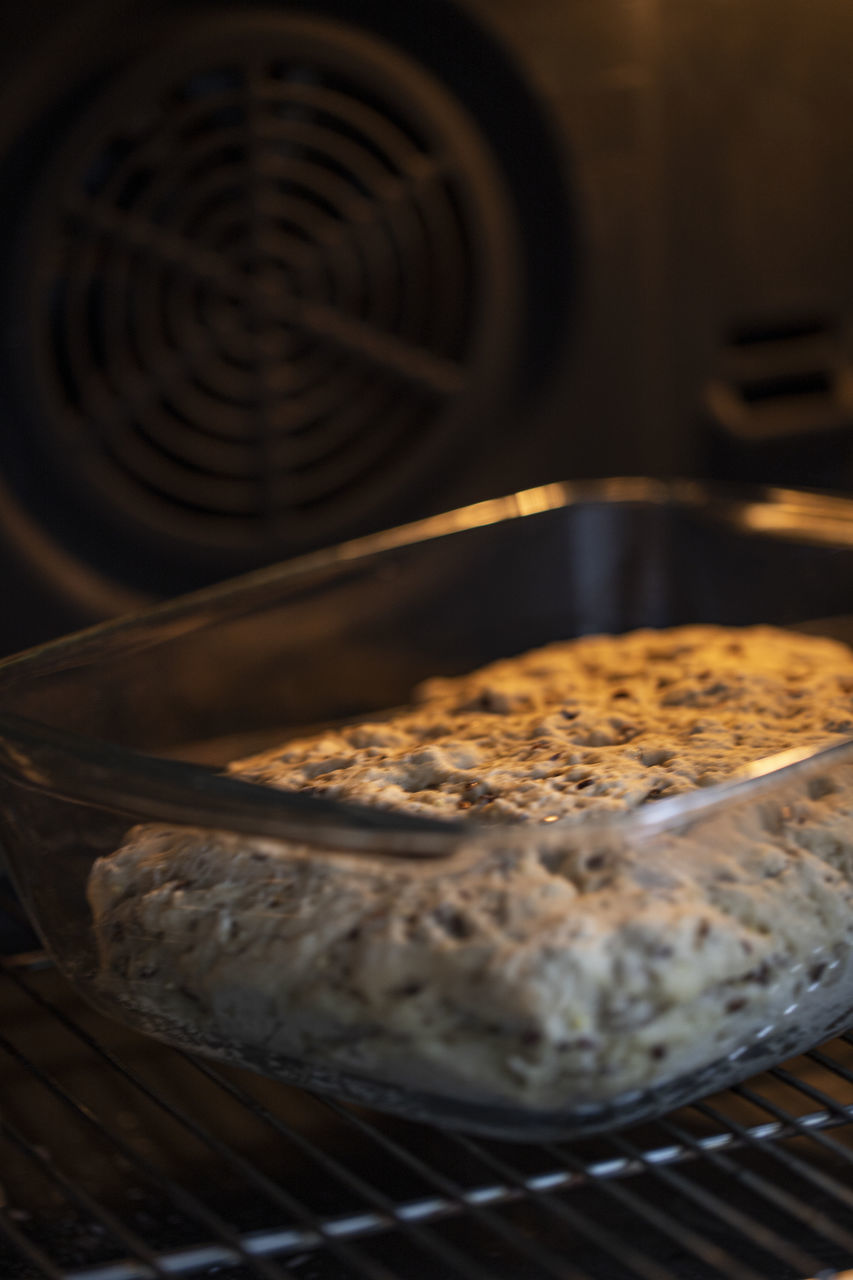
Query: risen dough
[545, 968]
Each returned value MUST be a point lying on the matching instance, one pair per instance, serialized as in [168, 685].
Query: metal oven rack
[124, 1160]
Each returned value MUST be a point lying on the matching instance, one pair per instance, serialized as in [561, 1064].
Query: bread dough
[549, 965]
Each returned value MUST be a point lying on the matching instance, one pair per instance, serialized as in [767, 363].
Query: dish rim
[125, 780]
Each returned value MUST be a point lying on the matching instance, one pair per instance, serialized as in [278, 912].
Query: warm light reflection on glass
[809, 520]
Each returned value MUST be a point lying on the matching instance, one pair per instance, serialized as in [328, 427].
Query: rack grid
[123, 1159]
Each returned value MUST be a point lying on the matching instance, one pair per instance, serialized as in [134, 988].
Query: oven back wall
[276, 274]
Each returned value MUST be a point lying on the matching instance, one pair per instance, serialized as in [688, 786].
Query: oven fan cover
[270, 286]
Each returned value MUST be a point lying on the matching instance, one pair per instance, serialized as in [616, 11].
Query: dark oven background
[274, 275]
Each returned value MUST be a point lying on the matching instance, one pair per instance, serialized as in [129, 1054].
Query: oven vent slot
[788, 330]
[782, 378]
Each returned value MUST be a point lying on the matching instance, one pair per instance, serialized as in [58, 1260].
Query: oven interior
[277, 274]
[124, 1159]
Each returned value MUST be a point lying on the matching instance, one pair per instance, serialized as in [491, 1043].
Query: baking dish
[127, 722]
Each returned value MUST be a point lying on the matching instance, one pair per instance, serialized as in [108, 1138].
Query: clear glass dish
[129, 722]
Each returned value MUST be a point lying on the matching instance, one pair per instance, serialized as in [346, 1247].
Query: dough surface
[545, 967]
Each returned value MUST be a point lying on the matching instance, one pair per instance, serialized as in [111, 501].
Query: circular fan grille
[281, 269]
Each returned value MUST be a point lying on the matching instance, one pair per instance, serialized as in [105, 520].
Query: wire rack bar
[812, 1132]
[480, 1206]
[384, 1212]
[834, 1109]
[183, 1199]
[789, 1162]
[452, 1199]
[626, 1171]
[282, 1198]
[836, 1068]
[686, 1238]
[611, 1244]
[785, 1251]
[74, 1192]
[28, 1250]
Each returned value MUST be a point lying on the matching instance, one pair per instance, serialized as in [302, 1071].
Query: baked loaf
[554, 964]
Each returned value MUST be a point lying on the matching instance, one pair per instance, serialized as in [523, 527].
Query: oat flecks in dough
[605, 721]
[526, 974]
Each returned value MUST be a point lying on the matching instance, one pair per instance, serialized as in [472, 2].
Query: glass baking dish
[129, 722]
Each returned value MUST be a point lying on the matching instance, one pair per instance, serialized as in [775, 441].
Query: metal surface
[124, 1160]
[281, 268]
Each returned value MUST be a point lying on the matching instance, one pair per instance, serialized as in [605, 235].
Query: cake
[553, 961]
